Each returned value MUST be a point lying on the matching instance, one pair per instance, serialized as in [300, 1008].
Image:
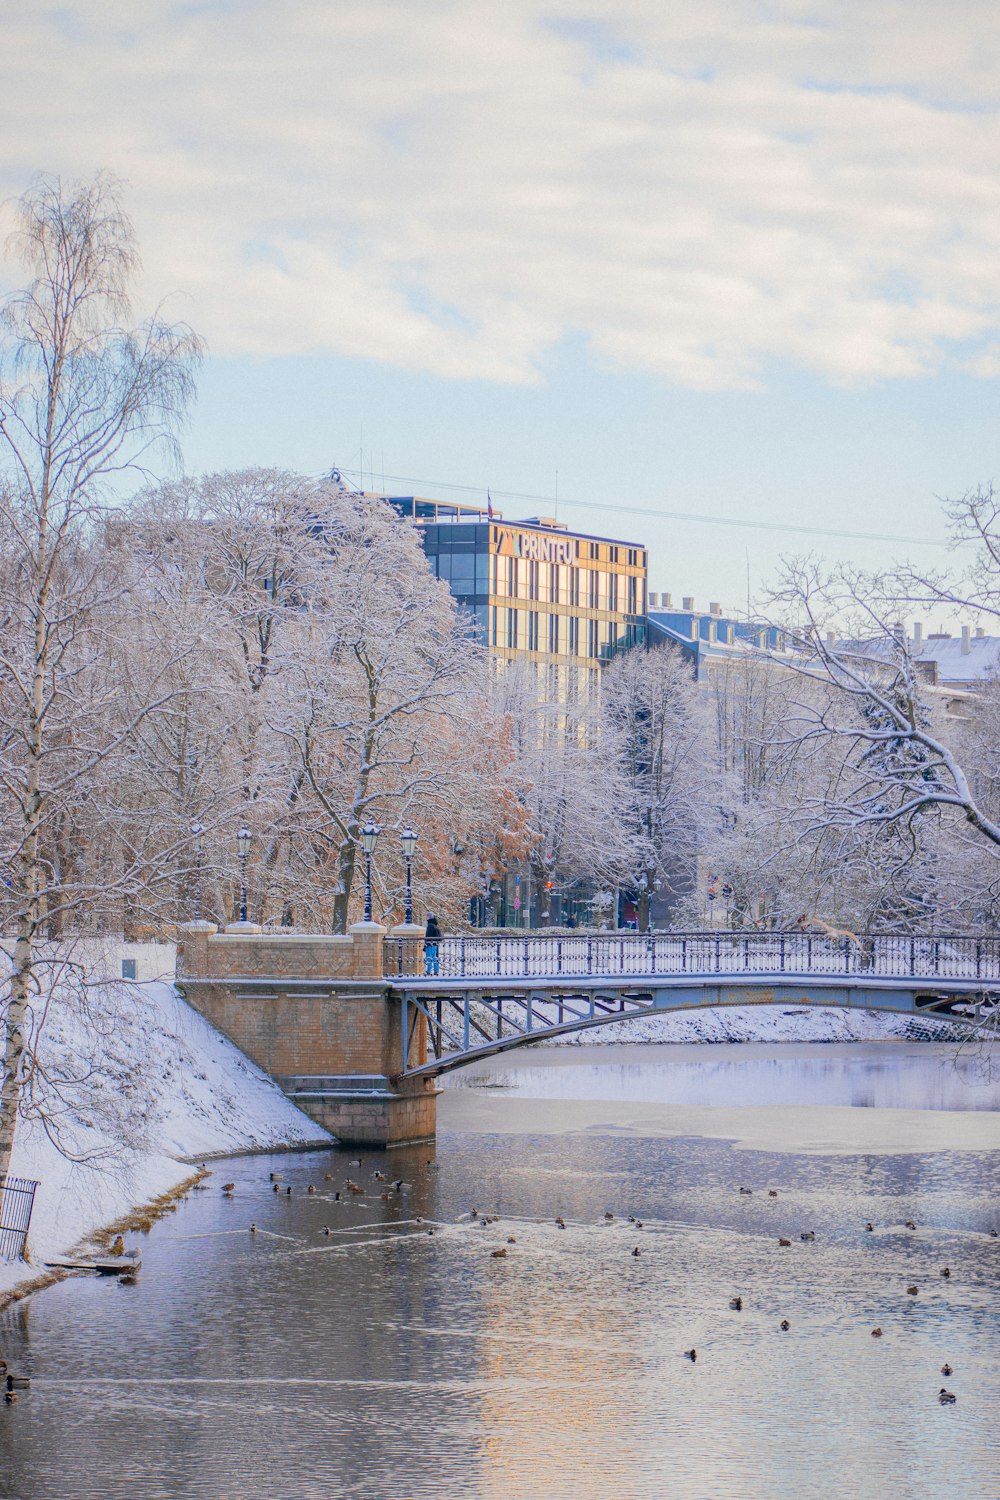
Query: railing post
[590, 955]
[465, 1023]
[781, 951]
[529, 1012]
[559, 967]
[979, 959]
[461, 957]
[684, 955]
[912, 955]
[406, 1032]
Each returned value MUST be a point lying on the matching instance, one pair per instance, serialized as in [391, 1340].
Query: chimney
[966, 642]
[715, 609]
[831, 640]
[668, 601]
[899, 631]
[918, 635]
[980, 633]
[687, 602]
[652, 600]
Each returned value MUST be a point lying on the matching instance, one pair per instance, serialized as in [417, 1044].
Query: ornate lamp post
[369, 838]
[409, 842]
[196, 833]
[243, 845]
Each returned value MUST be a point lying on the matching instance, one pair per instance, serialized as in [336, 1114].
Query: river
[386, 1361]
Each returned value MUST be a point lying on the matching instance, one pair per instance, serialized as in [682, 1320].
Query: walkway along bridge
[356, 1032]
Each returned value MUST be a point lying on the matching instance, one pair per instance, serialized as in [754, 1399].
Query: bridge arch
[447, 1026]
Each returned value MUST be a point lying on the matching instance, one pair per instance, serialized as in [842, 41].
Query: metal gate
[17, 1197]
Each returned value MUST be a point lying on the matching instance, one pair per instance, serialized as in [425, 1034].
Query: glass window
[593, 595]
[612, 591]
[574, 635]
[554, 634]
[482, 573]
[512, 629]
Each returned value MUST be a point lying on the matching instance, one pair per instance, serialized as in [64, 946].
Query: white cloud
[697, 189]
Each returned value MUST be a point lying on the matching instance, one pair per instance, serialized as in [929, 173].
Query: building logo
[535, 547]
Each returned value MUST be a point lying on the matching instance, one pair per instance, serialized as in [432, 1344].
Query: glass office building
[564, 600]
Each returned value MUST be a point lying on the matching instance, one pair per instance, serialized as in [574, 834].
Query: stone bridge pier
[317, 1014]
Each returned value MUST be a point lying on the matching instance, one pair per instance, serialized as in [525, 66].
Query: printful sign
[535, 546]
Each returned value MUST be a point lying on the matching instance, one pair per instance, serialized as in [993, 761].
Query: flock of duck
[391, 1189]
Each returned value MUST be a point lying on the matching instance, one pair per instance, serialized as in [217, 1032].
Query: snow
[152, 1072]
[762, 1023]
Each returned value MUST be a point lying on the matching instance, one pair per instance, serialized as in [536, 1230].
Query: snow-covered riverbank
[149, 1071]
[763, 1023]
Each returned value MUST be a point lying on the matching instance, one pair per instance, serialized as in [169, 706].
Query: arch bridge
[492, 994]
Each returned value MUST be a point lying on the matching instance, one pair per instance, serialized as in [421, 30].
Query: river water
[385, 1361]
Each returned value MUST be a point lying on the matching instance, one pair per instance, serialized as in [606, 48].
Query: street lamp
[243, 845]
[196, 833]
[369, 838]
[409, 842]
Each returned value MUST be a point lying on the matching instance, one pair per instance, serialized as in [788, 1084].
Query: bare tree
[83, 397]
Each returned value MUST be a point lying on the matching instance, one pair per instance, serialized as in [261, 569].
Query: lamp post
[369, 838]
[243, 845]
[196, 833]
[409, 841]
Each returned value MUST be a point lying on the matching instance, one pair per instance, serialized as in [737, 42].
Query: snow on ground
[763, 1023]
[135, 1063]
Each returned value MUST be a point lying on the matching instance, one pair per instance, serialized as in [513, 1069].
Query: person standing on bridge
[431, 938]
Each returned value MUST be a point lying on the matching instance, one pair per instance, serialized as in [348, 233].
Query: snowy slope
[763, 1023]
[148, 1070]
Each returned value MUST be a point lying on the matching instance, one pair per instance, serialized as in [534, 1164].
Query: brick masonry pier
[317, 1014]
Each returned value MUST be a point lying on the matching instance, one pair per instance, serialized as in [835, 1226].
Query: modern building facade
[565, 601]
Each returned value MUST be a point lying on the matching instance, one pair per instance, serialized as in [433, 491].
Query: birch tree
[83, 397]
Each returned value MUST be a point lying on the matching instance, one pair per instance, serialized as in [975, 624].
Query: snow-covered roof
[954, 664]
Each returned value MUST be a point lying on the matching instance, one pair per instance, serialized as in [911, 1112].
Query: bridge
[356, 1032]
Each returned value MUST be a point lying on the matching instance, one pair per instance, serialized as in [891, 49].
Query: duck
[560, 1222]
[327, 1176]
[691, 1354]
[310, 1188]
[783, 1241]
[356, 1162]
[869, 1228]
[117, 1246]
[608, 1217]
[808, 1234]
[911, 1291]
[994, 1233]
[325, 1229]
[430, 1231]
[946, 1369]
[736, 1303]
[129, 1278]
[229, 1187]
[380, 1176]
[399, 1186]
[337, 1198]
[275, 1177]
[784, 1325]
[909, 1224]
[385, 1197]
[354, 1187]
[288, 1191]
[947, 1398]
[253, 1229]
[638, 1223]
[876, 1333]
[511, 1240]
[9, 1397]
[945, 1271]
[747, 1192]
[772, 1192]
[637, 1252]
[419, 1219]
[276, 1188]
[500, 1254]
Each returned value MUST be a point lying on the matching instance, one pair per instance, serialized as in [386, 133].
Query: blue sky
[709, 258]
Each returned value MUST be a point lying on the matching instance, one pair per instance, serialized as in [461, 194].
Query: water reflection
[385, 1361]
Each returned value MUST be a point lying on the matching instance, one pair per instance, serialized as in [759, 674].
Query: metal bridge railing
[936, 956]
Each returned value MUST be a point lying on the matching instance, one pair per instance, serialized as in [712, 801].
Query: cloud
[696, 190]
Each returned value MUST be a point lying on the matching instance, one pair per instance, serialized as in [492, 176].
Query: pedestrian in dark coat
[431, 939]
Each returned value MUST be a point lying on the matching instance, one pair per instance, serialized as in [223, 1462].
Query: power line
[661, 515]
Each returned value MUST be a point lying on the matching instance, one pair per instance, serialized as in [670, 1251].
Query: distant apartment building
[710, 640]
[562, 600]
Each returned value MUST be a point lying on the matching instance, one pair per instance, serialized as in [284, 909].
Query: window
[512, 629]
[532, 580]
[612, 554]
[595, 551]
[554, 582]
[533, 630]
[591, 637]
[128, 968]
[612, 591]
[574, 635]
[574, 585]
[631, 602]
[493, 626]
[554, 634]
[594, 594]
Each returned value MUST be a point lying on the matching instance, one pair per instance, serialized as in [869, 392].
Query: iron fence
[17, 1198]
[932, 956]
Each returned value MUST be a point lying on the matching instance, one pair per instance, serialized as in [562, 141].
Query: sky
[722, 276]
